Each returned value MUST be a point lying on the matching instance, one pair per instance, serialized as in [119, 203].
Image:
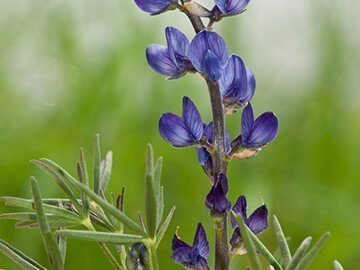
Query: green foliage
[55, 257]
[301, 259]
[19, 258]
[249, 244]
[283, 244]
[65, 75]
[92, 211]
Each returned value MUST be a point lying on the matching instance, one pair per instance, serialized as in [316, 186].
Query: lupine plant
[89, 213]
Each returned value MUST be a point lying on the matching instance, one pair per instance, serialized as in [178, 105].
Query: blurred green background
[70, 69]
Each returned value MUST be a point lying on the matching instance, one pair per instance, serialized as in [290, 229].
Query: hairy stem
[105, 249]
[222, 258]
[153, 254]
[219, 153]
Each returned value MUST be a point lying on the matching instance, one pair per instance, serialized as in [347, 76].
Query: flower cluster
[189, 130]
[234, 85]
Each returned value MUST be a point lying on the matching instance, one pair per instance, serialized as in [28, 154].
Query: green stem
[104, 248]
[222, 257]
[153, 256]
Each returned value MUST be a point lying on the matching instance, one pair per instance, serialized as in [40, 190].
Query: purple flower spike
[208, 54]
[231, 7]
[257, 221]
[155, 7]
[192, 257]
[182, 131]
[216, 199]
[172, 60]
[255, 134]
[237, 84]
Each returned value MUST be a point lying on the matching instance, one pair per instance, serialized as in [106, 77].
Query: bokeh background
[70, 69]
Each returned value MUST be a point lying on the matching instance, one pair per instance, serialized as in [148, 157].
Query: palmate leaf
[104, 237]
[283, 244]
[107, 207]
[111, 210]
[249, 244]
[52, 248]
[19, 257]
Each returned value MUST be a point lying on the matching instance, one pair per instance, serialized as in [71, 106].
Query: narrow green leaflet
[32, 217]
[337, 266]
[283, 245]
[104, 237]
[67, 177]
[251, 251]
[264, 251]
[19, 258]
[84, 199]
[164, 226]
[106, 173]
[151, 197]
[49, 239]
[159, 191]
[84, 179]
[160, 206]
[60, 181]
[97, 161]
[62, 243]
[299, 254]
[49, 209]
[313, 252]
[29, 220]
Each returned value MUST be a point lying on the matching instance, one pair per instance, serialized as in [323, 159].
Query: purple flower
[237, 84]
[257, 221]
[182, 131]
[204, 156]
[155, 6]
[255, 134]
[208, 54]
[172, 60]
[231, 7]
[192, 257]
[216, 199]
